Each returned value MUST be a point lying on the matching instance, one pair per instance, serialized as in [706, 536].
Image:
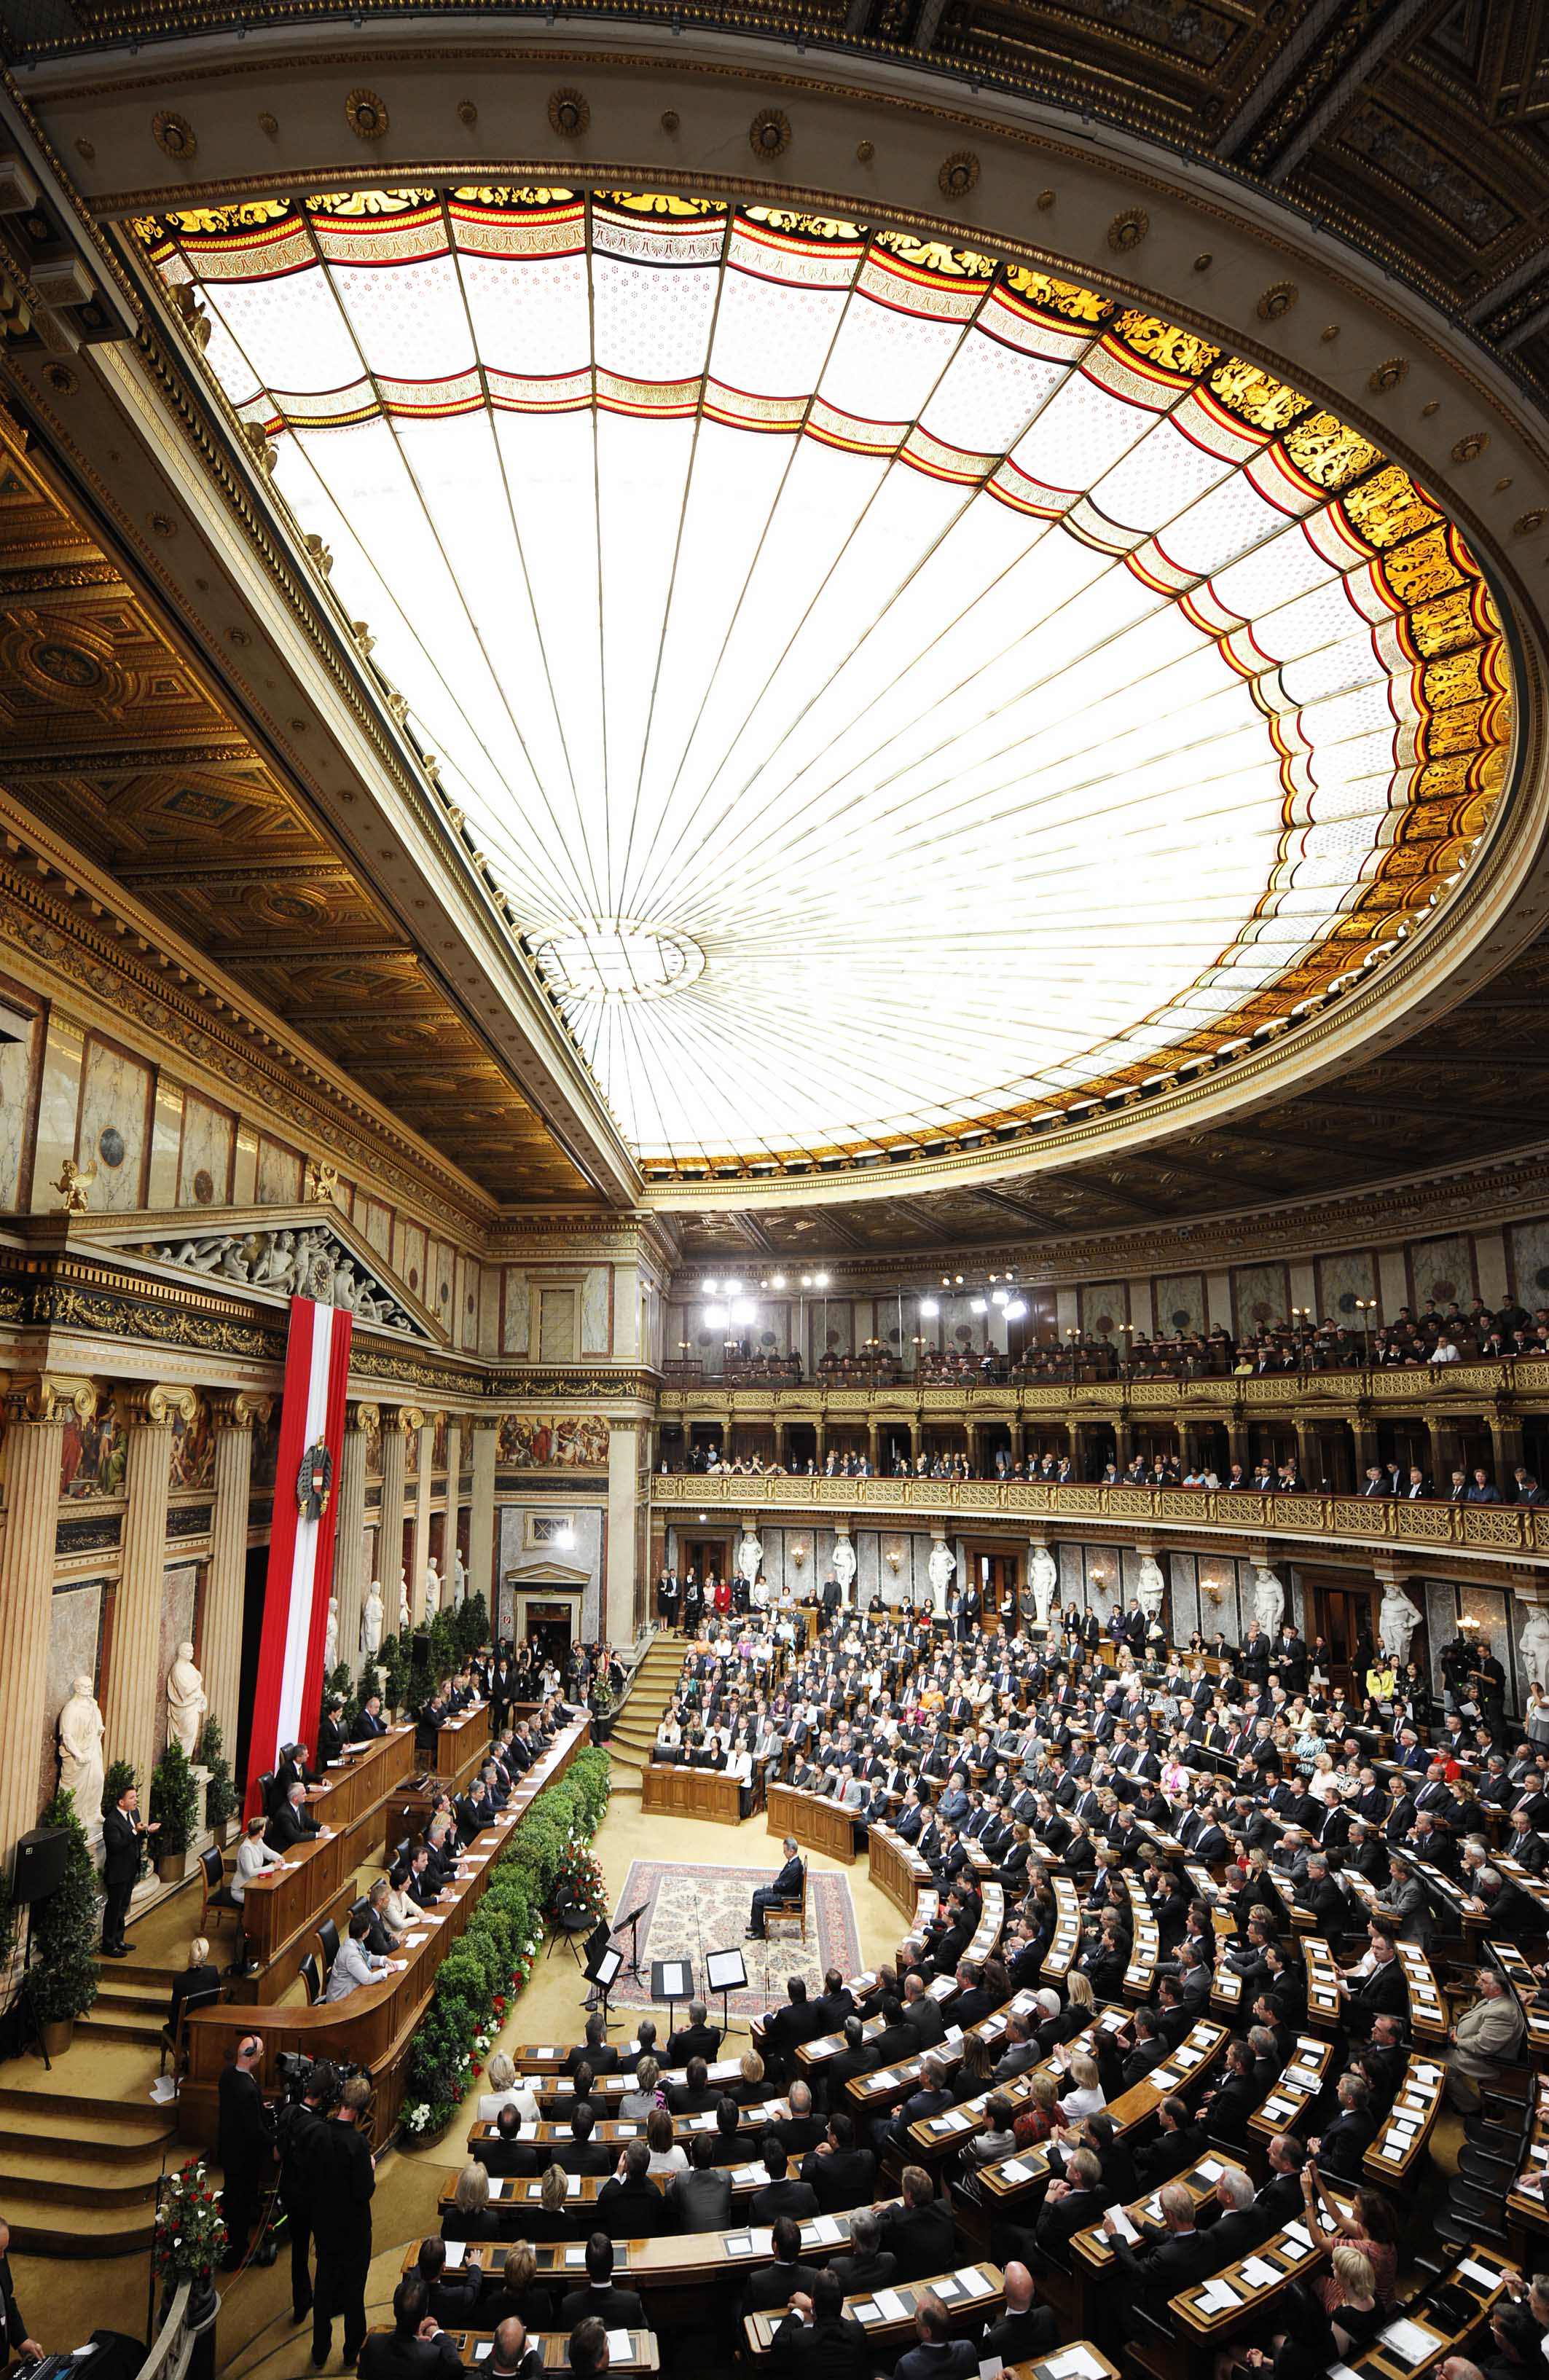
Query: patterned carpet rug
[691, 1910]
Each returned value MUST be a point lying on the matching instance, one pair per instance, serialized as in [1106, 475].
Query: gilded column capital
[362, 1414]
[238, 1408]
[49, 1397]
[403, 1420]
[485, 1421]
[157, 1407]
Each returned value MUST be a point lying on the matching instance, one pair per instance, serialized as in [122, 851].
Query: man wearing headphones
[244, 2140]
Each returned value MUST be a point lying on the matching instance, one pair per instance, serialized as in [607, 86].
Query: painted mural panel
[596, 1317]
[1345, 1282]
[278, 1179]
[93, 1456]
[193, 1451]
[1104, 1304]
[553, 1442]
[517, 1316]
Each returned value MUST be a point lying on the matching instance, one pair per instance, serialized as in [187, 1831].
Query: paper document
[1076, 2364]
[1410, 2341]
[891, 2307]
[455, 2250]
[1476, 2271]
[619, 2347]
[1258, 2274]
[973, 2281]
[1122, 2224]
[739, 2243]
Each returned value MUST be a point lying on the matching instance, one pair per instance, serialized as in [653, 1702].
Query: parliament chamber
[773, 1218]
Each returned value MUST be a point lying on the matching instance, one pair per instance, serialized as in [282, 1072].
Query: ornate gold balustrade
[1492, 1532]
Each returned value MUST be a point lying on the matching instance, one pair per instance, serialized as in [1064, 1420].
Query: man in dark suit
[244, 2135]
[939, 2356]
[292, 1822]
[782, 2194]
[788, 1886]
[868, 2267]
[857, 2057]
[696, 2094]
[580, 2153]
[632, 2207]
[1229, 2107]
[615, 2309]
[506, 2157]
[369, 1722]
[835, 2004]
[770, 2286]
[1070, 2205]
[122, 1837]
[697, 2038]
[595, 2051]
[416, 2347]
[16, 2333]
[453, 2302]
[842, 2175]
[342, 2177]
[817, 2339]
[1169, 2259]
[1025, 2331]
[1178, 2144]
[918, 2229]
[1340, 2149]
[798, 2021]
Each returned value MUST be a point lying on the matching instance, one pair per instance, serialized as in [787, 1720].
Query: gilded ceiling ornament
[1277, 300]
[163, 524]
[569, 112]
[320, 553]
[74, 1188]
[959, 174]
[669, 119]
[1526, 523]
[1470, 445]
[173, 136]
[87, 149]
[267, 123]
[864, 151]
[1043, 202]
[61, 380]
[367, 115]
[769, 133]
[467, 111]
[1203, 262]
[1329, 332]
[1128, 229]
[1388, 375]
[1427, 410]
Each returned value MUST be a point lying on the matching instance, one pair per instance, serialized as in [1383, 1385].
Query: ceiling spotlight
[930, 1307]
[806, 1280]
[715, 1316]
[820, 1281]
[708, 1288]
[999, 1297]
[731, 1289]
[978, 1306]
[958, 1278]
[1017, 1309]
[775, 1280]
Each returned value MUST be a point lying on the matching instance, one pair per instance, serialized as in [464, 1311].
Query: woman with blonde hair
[198, 1981]
[1083, 2094]
[751, 2084]
[1043, 2114]
[519, 2298]
[505, 2092]
[637, 2104]
[470, 2216]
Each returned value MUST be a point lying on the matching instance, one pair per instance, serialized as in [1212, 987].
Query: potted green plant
[219, 1793]
[120, 1776]
[174, 1812]
[62, 1981]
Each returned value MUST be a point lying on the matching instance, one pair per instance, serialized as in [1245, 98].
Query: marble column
[349, 1546]
[480, 1517]
[232, 1416]
[455, 1425]
[616, 1620]
[389, 1543]
[419, 1509]
[134, 1679]
[35, 1415]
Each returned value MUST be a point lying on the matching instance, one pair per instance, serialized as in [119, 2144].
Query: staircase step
[78, 2133]
[129, 2122]
[45, 2227]
[43, 2173]
[122, 2024]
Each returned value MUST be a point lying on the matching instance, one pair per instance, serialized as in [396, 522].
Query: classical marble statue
[331, 1639]
[1396, 1622]
[403, 1602]
[433, 1589]
[1150, 1586]
[371, 1617]
[750, 1558]
[1533, 1644]
[842, 1564]
[187, 1700]
[1269, 1600]
[939, 1570]
[459, 1580]
[81, 1771]
[1043, 1579]
[312, 1263]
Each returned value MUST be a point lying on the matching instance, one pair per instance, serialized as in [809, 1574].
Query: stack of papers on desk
[1258, 2274]
[1122, 2224]
[891, 2307]
[1480, 2273]
[455, 2250]
[621, 2347]
[1076, 2364]
[1411, 2342]
[1217, 2296]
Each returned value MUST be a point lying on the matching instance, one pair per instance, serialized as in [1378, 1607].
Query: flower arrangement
[191, 2236]
[579, 1880]
[492, 1959]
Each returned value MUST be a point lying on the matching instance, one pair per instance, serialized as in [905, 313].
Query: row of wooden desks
[462, 1746]
[686, 1792]
[373, 2027]
[1405, 2134]
[628, 2350]
[286, 1904]
[812, 1820]
[896, 1867]
[1514, 1966]
[972, 2294]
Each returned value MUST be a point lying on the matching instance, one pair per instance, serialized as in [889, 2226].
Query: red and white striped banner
[302, 1533]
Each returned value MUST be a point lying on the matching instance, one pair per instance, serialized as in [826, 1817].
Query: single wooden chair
[791, 1911]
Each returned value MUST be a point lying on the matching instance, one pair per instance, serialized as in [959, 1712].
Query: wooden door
[1341, 1607]
[999, 1576]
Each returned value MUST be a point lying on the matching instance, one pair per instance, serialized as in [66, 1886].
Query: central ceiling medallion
[614, 958]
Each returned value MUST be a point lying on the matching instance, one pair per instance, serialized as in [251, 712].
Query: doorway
[255, 1588]
[548, 1624]
[999, 1576]
[1340, 1607]
[708, 1558]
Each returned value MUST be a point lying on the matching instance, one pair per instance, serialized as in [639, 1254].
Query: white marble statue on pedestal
[80, 1754]
[843, 1567]
[371, 1617]
[939, 1570]
[1269, 1600]
[331, 1638]
[1533, 1644]
[433, 1589]
[1150, 1586]
[750, 1559]
[1043, 1579]
[403, 1602]
[459, 1580]
[1396, 1622]
[187, 1700]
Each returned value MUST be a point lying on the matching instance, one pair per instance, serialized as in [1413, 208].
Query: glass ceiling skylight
[897, 693]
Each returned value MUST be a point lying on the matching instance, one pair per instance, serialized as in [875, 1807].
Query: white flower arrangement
[415, 2118]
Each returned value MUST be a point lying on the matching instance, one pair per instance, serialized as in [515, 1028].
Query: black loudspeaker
[40, 1864]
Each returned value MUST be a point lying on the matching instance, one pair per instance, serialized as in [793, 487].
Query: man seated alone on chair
[354, 1964]
[788, 1886]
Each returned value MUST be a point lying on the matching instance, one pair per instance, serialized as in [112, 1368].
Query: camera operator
[342, 2173]
[300, 2120]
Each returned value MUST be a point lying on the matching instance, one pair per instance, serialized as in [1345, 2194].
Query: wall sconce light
[799, 1555]
[894, 1560]
[1212, 1590]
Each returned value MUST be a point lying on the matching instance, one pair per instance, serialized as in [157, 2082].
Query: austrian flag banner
[302, 1534]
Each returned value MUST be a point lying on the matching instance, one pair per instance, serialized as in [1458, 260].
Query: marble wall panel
[376, 1222]
[1261, 1294]
[414, 1267]
[58, 1108]
[516, 1320]
[15, 1088]
[279, 1176]
[1104, 1304]
[1342, 1281]
[1179, 1304]
[518, 1562]
[1528, 1248]
[442, 1265]
[204, 1162]
[596, 1320]
[1441, 1623]
[74, 1647]
[1072, 1576]
[115, 1126]
[1183, 1594]
[1491, 1608]
[1443, 1269]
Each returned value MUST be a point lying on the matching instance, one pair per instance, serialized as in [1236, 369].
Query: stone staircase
[651, 1689]
[77, 2177]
